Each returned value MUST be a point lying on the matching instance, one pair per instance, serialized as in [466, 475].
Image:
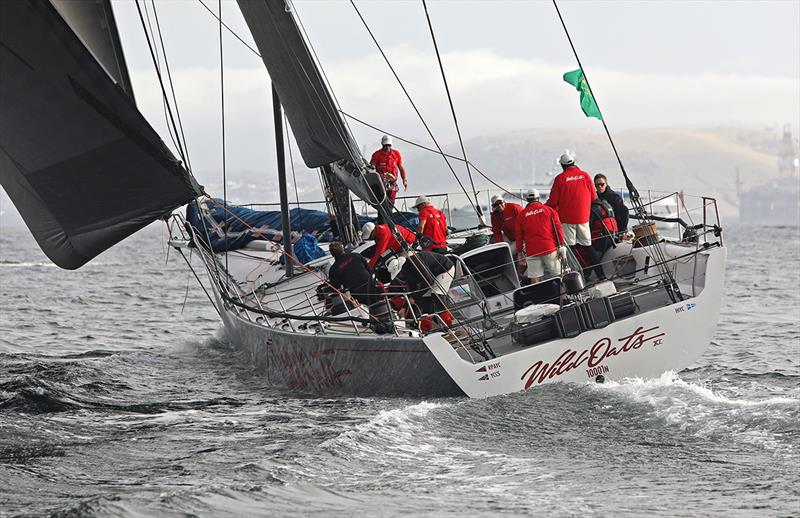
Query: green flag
[576, 79]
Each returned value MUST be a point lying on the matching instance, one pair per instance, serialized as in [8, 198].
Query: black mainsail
[81, 164]
[93, 21]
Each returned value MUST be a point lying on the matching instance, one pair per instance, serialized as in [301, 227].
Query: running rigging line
[453, 111]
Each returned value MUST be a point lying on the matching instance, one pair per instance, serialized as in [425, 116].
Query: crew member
[432, 225]
[349, 272]
[384, 240]
[428, 276]
[605, 193]
[571, 195]
[540, 239]
[604, 232]
[388, 163]
[504, 222]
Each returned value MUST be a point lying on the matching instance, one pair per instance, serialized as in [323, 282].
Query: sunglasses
[600, 185]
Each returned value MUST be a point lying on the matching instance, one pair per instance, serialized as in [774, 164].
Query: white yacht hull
[644, 345]
[641, 346]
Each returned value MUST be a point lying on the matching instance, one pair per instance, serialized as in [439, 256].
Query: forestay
[81, 164]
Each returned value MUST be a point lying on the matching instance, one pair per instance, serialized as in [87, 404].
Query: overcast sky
[651, 63]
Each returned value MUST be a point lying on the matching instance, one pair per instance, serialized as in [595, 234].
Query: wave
[25, 264]
[32, 395]
[768, 422]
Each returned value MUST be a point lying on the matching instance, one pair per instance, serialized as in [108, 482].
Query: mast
[286, 224]
[321, 134]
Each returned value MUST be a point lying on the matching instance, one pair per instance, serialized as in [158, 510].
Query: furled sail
[81, 164]
[318, 127]
[93, 21]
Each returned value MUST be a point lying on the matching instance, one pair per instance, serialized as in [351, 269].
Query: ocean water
[120, 396]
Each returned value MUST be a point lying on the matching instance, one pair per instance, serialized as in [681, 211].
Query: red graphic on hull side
[312, 370]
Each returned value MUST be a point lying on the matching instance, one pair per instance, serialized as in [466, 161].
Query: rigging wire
[235, 35]
[171, 86]
[336, 100]
[291, 164]
[319, 65]
[345, 133]
[156, 64]
[669, 282]
[426, 148]
[453, 111]
[222, 119]
[631, 188]
[347, 115]
[413, 105]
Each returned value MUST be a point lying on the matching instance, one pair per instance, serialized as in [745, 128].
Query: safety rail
[272, 307]
[298, 311]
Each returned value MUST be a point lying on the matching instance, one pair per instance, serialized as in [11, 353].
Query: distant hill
[698, 161]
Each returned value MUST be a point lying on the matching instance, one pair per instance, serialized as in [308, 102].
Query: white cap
[496, 198]
[386, 139]
[567, 158]
[420, 200]
[532, 194]
[367, 229]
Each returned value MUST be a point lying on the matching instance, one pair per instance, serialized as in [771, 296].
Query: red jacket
[572, 194]
[535, 232]
[505, 223]
[435, 226]
[384, 240]
[386, 164]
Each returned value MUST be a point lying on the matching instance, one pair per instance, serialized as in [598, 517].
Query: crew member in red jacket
[571, 195]
[384, 240]
[433, 225]
[388, 163]
[540, 238]
[504, 222]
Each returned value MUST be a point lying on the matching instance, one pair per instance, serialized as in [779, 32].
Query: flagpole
[628, 183]
[671, 286]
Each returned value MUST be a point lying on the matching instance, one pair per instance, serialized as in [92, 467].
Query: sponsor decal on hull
[489, 372]
[592, 357]
[685, 308]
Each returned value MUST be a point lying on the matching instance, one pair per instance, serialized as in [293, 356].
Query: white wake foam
[704, 412]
